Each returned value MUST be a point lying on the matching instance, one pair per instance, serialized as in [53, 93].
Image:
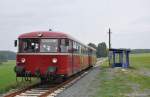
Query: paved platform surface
[85, 87]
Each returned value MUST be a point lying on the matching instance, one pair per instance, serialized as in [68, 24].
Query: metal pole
[109, 38]
[109, 46]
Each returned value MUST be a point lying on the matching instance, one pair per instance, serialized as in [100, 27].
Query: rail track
[48, 89]
[51, 89]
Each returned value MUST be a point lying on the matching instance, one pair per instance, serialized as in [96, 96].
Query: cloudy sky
[86, 20]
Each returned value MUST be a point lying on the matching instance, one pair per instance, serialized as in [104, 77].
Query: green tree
[3, 58]
[102, 50]
[92, 45]
[7, 55]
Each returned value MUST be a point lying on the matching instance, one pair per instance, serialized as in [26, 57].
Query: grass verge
[8, 78]
[132, 82]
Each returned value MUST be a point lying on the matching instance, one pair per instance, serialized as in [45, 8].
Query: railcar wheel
[43, 79]
[60, 79]
[19, 80]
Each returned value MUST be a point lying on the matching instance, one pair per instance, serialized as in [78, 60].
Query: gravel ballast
[85, 87]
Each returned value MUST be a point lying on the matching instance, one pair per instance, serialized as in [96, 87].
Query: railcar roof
[44, 34]
[48, 34]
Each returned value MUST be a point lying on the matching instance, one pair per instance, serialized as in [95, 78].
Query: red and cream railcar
[43, 54]
[92, 56]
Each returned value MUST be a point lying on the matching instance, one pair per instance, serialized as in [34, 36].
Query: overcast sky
[86, 20]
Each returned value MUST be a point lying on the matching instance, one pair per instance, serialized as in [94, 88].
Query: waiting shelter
[119, 57]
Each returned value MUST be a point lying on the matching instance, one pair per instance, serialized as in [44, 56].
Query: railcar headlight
[23, 60]
[54, 60]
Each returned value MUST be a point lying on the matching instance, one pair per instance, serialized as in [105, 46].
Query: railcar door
[66, 47]
[74, 58]
[90, 57]
[71, 59]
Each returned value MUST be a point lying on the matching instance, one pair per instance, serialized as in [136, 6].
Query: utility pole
[109, 54]
[109, 38]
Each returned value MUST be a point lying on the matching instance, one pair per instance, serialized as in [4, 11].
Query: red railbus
[47, 54]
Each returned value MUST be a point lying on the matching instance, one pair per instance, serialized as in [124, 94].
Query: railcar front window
[49, 45]
[29, 45]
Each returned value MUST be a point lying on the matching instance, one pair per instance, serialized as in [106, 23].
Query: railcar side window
[65, 45]
[49, 45]
[29, 45]
[74, 47]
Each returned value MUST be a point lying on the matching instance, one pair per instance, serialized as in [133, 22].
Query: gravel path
[85, 87]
